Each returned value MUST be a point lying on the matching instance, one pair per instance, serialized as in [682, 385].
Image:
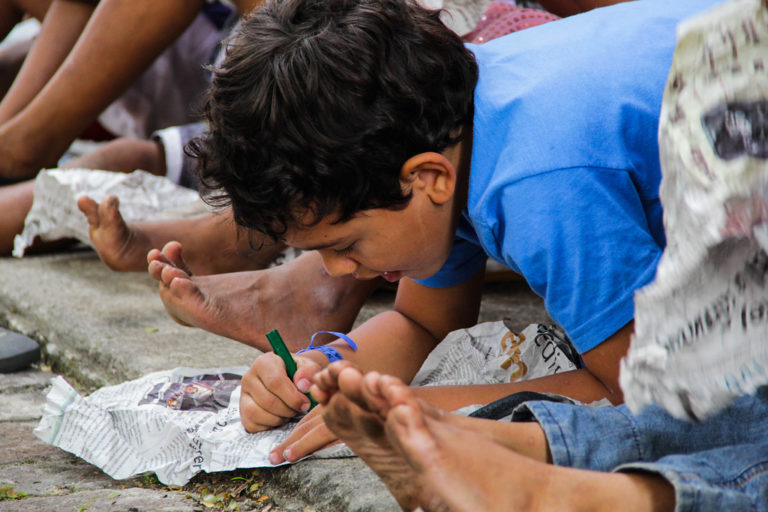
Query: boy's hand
[309, 435]
[268, 397]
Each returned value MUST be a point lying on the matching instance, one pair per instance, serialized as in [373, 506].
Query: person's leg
[732, 477]
[616, 436]
[12, 54]
[570, 7]
[15, 201]
[465, 472]
[430, 460]
[122, 155]
[298, 298]
[213, 243]
[119, 41]
[58, 35]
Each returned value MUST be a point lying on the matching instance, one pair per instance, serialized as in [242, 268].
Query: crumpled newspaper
[54, 214]
[701, 328]
[491, 353]
[183, 421]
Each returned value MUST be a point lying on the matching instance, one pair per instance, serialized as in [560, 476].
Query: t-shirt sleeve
[464, 261]
[582, 240]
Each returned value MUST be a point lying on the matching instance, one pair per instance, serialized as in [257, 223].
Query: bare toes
[370, 391]
[349, 381]
[156, 255]
[338, 415]
[395, 392]
[173, 252]
[90, 209]
[180, 284]
[170, 273]
[109, 209]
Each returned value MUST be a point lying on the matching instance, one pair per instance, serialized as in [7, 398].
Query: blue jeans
[720, 464]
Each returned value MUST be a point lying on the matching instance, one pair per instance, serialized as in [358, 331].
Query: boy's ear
[431, 172]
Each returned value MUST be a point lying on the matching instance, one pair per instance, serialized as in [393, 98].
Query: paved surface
[98, 328]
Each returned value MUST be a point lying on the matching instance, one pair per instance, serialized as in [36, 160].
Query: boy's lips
[392, 276]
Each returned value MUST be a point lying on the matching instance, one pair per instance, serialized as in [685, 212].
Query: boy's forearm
[389, 343]
[578, 384]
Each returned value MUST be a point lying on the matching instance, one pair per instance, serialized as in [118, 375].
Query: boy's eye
[344, 251]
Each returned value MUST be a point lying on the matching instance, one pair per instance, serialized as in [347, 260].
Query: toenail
[303, 385]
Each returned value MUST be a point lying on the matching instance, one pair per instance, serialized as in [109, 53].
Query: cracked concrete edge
[57, 355]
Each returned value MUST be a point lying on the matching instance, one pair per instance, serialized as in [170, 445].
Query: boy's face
[412, 242]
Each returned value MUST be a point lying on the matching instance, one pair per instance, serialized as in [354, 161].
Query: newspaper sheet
[701, 328]
[179, 422]
[54, 213]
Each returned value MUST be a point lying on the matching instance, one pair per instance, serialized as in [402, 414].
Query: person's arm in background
[68, 78]
[565, 8]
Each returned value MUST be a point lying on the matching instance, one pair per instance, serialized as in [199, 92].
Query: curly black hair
[319, 103]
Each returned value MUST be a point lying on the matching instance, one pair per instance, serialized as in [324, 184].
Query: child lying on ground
[212, 243]
[418, 171]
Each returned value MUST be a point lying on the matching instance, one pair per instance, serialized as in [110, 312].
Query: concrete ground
[97, 328]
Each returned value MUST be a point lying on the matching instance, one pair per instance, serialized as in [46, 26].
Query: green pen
[279, 348]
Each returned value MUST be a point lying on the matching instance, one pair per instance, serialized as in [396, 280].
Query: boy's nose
[337, 265]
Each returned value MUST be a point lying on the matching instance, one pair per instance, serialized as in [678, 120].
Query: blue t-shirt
[565, 173]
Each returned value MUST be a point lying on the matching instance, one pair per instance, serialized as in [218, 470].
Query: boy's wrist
[315, 356]
[329, 351]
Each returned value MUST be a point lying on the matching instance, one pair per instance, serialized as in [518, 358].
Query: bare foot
[465, 471]
[298, 298]
[428, 460]
[362, 428]
[118, 246]
[216, 245]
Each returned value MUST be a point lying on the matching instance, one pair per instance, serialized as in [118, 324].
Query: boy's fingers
[270, 370]
[318, 438]
[310, 435]
[255, 419]
[267, 400]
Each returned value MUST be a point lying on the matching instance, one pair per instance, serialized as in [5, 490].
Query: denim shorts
[720, 464]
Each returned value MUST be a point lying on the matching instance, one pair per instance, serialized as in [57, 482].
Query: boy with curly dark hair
[365, 130]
